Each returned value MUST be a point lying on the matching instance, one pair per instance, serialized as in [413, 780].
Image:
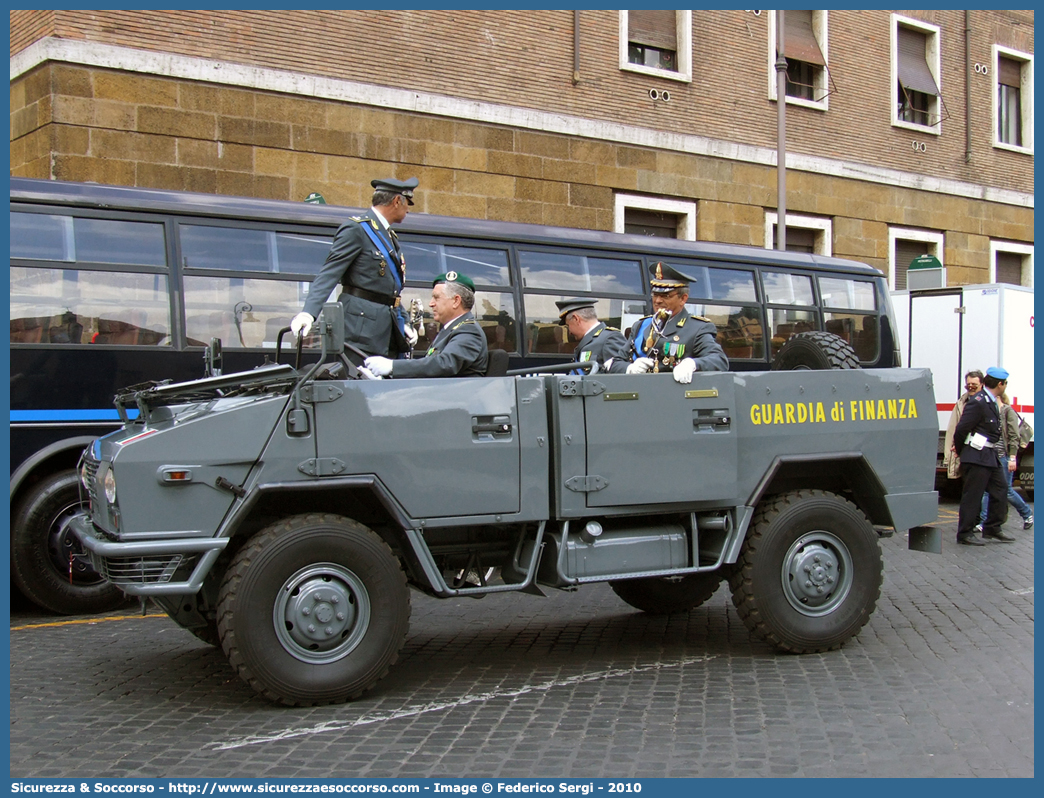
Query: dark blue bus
[114, 286]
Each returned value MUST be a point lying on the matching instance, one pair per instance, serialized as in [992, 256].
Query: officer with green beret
[367, 262]
[672, 338]
[459, 350]
[598, 341]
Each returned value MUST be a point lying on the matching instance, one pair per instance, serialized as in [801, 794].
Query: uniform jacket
[980, 415]
[355, 262]
[683, 336]
[601, 343]
[459, 350]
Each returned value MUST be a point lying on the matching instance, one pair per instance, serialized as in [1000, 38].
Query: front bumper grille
[123, 571]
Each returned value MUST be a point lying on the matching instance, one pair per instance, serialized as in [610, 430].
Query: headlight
[110, 486]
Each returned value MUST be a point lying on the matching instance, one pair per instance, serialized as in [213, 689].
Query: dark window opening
[651, 223]
[1009, 101]
[1009, 268]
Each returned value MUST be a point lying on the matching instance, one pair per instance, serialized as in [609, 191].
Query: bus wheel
[47, 562]
[313, 610]
[667, 596]
[809, 573]
[815, 351]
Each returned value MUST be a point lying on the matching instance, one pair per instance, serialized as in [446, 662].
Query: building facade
[907, 132]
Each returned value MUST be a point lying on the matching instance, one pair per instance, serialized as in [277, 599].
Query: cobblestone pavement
[939, 683]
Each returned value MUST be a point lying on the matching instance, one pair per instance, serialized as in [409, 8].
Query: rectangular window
[37, 236]
[805, 61]
[241, 249]
[243, 312]
[850, 297]
[1011, 263]
[565, 272]
[545, 336]
[426, 261]
[906, 245]
[1009, 268]
[66, 306]
[782, 288]
[918, 99]
[657, 43]
[1013, 100]
[652, 39]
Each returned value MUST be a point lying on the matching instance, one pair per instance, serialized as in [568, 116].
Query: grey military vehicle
[285, 513]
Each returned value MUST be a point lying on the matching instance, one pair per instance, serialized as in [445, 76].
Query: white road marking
[420, 709]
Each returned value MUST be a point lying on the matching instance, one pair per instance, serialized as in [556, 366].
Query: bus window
[849, 297]
[425, 262]
[782, 288]
[68, 306]
[494, 311]
[240, 249]
[727, 285]
[784, 322]
[545, 336]
[564, 271]
[68, 239]
[240, 311]
[740, 331]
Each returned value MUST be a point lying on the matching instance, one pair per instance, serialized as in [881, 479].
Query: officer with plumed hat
[366, 260]
[672, 338]
[977, 439]
[459, 350]
[599, 342]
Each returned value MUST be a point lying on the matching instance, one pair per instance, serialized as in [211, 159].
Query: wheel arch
[364, 499]
[54, 457]
[848, 474]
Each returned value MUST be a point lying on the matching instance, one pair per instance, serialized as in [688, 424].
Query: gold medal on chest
[677, 338]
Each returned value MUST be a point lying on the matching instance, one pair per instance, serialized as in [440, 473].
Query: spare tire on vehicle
[815, 351]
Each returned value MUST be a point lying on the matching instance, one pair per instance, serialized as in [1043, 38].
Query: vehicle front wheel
[668, 595]
[47, 562]
[313, 610]
[810, 572]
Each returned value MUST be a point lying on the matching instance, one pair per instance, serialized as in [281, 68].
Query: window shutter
[1009, 268]
[913, 66]
[799, 42]
[657, 29]
[1009, 73]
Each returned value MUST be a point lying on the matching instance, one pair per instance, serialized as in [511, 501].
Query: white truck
[955, 330]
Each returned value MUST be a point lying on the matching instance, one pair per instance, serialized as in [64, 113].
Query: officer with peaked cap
[367, 262]
[598, 342]
[977, 439]
[672, 338]
[459, 350]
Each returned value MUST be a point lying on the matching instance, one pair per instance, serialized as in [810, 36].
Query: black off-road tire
[40, 548]
[815, 351]
[798, 543]
[663, 596]
[313, 610]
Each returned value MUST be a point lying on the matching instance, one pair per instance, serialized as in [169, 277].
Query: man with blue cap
[977, 439]
[367, 262]
[459, 350]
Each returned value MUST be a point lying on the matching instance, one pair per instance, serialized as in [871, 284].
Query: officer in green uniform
[459, 350]
[672, 338]
[598, 342]
[367, 262]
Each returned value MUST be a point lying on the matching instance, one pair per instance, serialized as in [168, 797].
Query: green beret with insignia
[454, 277]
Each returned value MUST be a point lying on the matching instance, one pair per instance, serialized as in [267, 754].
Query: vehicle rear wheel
[815, 351]
[47, 562]
[313, 610]
[810, 572]
[667, 595]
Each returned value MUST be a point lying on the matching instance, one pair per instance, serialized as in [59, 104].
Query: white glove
[684, 370]
[380, 366]
[607, 364]
[411, 335]
[301, 323]
[641, 366]
[367, 373]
